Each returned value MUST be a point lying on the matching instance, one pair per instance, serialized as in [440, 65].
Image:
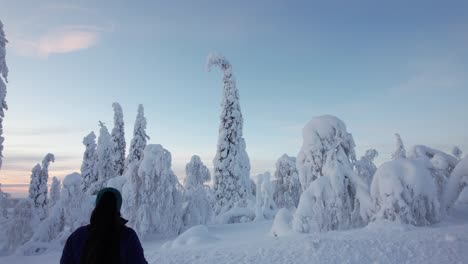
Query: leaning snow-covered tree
[287, 185]
[118, 140]
[160, 201]
[38, 186]
[3, 88]
[140, 138]
[54, 194]
[105, 168]
[365, 167]
[403, 191]
[334, 196]
[197, 203]
[231, 163]
[400, 151]
[89, 164]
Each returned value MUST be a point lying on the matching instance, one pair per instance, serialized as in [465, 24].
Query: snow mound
[236, 215]
[72, 179]
[197, 235]
[403, 190]
[282, 225]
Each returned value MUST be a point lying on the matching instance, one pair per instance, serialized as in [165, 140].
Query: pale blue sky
[381, 67]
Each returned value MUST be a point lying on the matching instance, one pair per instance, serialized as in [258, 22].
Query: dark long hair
[103, 244]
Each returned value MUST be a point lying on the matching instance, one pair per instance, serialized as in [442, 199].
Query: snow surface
[379, 242]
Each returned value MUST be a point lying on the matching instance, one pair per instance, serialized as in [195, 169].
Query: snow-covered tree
[70, 212]
[334, 196]
[231, 163]
[3, 88]
[118, 140]
[131, 194]
[365, 167]
[259, 199]
[89, 164]
[400, 151]
[198, 209]
[38, 186]
[439, 163]
[21, 226]
[403, 191]
[196, 173]
[4, 200]
[160, 199]
[105, 168]
[265, 206]
[54, 194]
[140, 138]
[457, 152]
[457, 181]
[287, 186]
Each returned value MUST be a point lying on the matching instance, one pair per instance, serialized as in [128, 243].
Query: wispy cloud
[58, 41]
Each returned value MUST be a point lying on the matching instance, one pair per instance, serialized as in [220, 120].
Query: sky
[380, 66]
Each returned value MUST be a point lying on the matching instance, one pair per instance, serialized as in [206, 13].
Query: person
[106, 239]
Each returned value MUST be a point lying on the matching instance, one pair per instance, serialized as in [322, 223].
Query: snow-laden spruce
[105, 168]
[457, 181]
[231, 163]
[265, 207]
[54, 194]
[334, 196]
[400, 151]
[38, 186]
[3, 88]
[287, 185]
[403, 191]
[89, 164]
[140, 138]
[198, 207]
[118, 140]
[159, 208]
[365, 167]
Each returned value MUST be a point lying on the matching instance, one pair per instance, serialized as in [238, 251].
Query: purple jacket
[130, 247]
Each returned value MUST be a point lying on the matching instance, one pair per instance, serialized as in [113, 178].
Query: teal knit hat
[116, 193]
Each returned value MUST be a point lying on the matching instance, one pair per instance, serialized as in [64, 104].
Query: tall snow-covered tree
[365, 167]
[198, 210]
[457, 152]
[231, 163]
[160, 202]
[3, 88]
[118, 140]
[89, 164]
[54, 194]
[287, 186]
[334, 196]
[38, 186]
[105, 168]
[400, 151]
[140, 138]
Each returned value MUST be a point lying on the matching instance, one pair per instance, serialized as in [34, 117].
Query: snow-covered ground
[381, 242]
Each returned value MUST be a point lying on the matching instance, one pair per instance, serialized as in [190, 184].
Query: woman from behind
[106, 239]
